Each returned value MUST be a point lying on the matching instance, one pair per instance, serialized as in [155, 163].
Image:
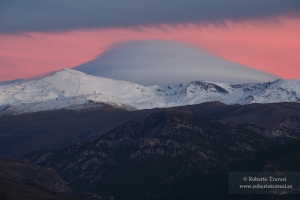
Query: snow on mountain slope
[70, 88]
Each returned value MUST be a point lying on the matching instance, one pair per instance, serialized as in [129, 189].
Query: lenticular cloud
[163, 63]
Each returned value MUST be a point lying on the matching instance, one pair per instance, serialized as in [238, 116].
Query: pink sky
[271, 47]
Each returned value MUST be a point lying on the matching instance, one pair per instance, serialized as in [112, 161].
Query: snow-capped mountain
[72, 89]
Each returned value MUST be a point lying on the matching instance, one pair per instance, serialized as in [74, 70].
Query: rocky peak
[160, 124]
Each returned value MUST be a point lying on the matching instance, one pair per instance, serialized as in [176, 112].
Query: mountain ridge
[71, 89]
[168, 154]
[48, 130]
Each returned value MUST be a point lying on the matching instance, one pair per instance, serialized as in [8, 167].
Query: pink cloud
[273, 49]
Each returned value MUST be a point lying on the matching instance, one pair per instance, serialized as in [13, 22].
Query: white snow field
[71, 89]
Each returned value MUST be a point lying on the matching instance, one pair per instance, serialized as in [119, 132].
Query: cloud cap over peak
[59, 15]
[162, 62]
